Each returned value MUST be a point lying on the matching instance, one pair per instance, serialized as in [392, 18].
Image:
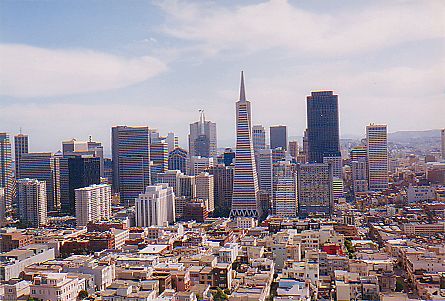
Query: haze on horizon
[74, 69]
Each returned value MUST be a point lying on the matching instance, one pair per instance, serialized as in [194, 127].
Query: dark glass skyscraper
[278, 136]
[83, 171]
[322, 126]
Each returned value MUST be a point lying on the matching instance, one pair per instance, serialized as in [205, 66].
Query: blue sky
[75, 68]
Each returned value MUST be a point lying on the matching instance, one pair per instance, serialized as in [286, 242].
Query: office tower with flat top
[377, 154]
[6, 170]
[278, 137]
[20, 147]
[156, 206]
[314, 187]
[223, 188]
[322, 126]
[284, 191]
[131, 161]
[258, 138]
[93, 204]
[245, 201]
[31, 202]
[39, 166]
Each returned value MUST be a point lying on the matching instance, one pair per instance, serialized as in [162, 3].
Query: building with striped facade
[245, 183]
[6, 170]
[39, 166]
[284, 192]
[377, 154]
[131, 161]
[20, 147]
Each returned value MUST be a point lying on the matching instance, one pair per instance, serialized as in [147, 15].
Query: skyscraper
[223, 188]
[264, 160]
[31, 202]
[20, 147]
[359, 169]
[39, 166]
[83, 171]
[377, 153]
[2, 207]
[258, 138]
[245, 184]
[158, 157]
[172, 141]
[202, 138]
[6, 170]
[156, 206]
[90, 147]
[322, 126]
[293, 149]
[284, 192]
[131, 161]
[93, 204]
[170, 177]
[314, 189]
[205, 186]
[199, 164]
[278, 137]
[60, 174]
[178, 160]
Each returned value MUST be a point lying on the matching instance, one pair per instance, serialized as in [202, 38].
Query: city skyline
[163, 64]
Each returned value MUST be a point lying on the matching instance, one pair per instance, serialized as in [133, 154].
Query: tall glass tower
[377, 152]
[6, 170]
[245, 184]
[322, 126]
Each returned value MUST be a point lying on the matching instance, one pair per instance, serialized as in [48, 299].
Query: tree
[219, 295]
[82, 295]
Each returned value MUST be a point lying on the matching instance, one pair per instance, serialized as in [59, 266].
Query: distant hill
[405, 136]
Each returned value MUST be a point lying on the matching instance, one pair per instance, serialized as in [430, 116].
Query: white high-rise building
[172, 141]
[156, 206]
[284, 193]
[93, 204]
[198, 164]
[264, 168]
[258, 138]
[377, 153]
[205, 189]
[31, 201]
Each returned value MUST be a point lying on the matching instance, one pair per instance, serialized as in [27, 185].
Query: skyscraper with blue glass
[322, 126]
[245, 183]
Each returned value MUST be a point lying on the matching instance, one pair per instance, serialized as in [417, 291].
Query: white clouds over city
[35, 72]
[280, 24]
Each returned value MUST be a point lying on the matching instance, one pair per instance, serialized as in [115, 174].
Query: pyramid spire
[242, 92]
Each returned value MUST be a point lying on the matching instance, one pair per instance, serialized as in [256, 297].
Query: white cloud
[35, 72]
[278, 24]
